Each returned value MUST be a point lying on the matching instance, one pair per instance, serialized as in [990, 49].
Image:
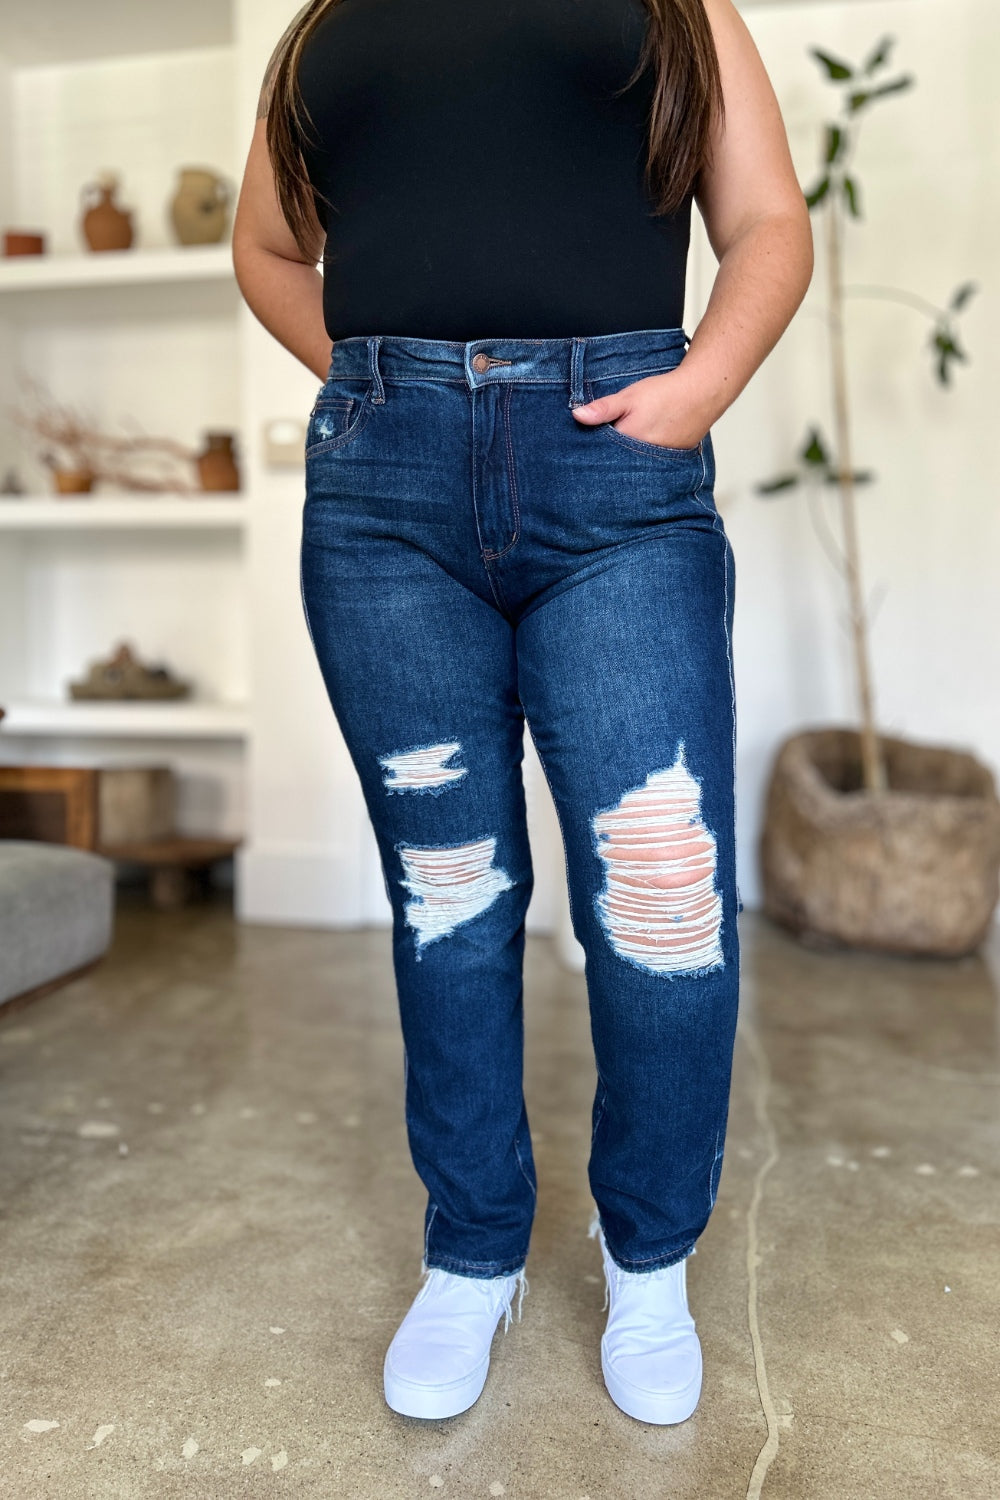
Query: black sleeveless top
[485, 181]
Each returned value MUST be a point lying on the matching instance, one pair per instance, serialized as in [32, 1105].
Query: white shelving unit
[122, 513]
[160, 334]
[148, 337]
[116, 268]
[182, 719]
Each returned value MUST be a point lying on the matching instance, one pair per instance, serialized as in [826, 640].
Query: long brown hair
[687, 102]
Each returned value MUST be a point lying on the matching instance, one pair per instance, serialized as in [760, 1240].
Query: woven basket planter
[914, 869]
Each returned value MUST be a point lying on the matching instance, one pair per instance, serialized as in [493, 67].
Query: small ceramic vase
[73, 481]
[199, 210]
[105, 225]
[23, 242]
[217, 467]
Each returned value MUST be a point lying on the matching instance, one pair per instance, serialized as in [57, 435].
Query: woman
[509, 515]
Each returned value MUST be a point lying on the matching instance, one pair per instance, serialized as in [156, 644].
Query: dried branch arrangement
[70, 439]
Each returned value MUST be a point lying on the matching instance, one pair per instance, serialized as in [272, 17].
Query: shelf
[140, 720]
[110, 268]
[126, 513]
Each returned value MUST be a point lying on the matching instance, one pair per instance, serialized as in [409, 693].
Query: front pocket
[336, 420]
[638, 445]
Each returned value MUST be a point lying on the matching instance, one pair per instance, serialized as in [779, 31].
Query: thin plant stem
[872, 764]
[895, 294]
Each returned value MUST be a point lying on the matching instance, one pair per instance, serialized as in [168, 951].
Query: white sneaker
[437, 1363]
[650, 1352]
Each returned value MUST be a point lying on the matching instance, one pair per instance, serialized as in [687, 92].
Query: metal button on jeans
[480, 362]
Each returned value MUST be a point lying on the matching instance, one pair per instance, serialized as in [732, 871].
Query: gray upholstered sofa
[56, 913]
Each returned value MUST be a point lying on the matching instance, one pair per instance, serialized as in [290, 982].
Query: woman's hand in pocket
[658, 409]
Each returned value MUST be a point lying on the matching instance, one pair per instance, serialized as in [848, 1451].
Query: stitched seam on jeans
[488, 1266]
[599, 1116]
[427, 1232]
[483, 550]
[517, 1153]
[511, 475]
[496, 586]
[716, 1163]
[701, 485]
[617, 374]
[719, 529]
[330, 445]
[562, 831]
[661, 1265]
[302, 595]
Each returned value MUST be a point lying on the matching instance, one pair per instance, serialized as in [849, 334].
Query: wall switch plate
[284, 443]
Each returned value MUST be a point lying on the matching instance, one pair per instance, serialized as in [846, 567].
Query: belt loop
[374, 341]
[576, 397]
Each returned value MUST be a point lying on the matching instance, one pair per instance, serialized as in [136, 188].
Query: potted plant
[872, 840]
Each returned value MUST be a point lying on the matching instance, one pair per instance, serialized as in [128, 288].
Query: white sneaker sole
[433, 1401]
[660, 1407]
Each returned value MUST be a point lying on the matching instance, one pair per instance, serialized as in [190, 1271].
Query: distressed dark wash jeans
[472, 557]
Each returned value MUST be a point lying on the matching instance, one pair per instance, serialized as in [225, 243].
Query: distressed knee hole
[660, 907]
[449, 886]
[425, 769]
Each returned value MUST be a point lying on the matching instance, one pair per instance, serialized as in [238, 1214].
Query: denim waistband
[481, 362]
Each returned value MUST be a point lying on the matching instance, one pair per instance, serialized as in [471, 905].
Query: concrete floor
[210, 1229]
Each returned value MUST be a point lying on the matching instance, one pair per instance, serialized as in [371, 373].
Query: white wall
[930, 169]
[929, 163]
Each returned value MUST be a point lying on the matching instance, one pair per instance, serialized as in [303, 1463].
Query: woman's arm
[758, 225]
[281, 289]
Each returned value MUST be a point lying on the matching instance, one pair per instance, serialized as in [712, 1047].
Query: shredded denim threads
[424, 769]
[449, 886]
[661, 907]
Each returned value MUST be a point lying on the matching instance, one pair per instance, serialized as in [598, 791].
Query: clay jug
[217, 468]
[105, 225]
[199, 210]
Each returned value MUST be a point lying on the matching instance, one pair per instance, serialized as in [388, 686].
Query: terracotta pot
[199, 210]
[914, 869]
[73, 481]
[217, 467]
[23, 242]
[104, 224]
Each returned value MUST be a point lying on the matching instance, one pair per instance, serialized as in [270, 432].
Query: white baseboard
[304, 887]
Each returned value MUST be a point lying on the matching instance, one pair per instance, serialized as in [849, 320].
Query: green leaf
[818, 193]
[880, 56]
[946, 342]
[835, 140]
[814, 452]
[835, 69]
[858, 98]
[776, 486]
[895, 86]
[966, 291]
[852, 196]
[948, 351]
